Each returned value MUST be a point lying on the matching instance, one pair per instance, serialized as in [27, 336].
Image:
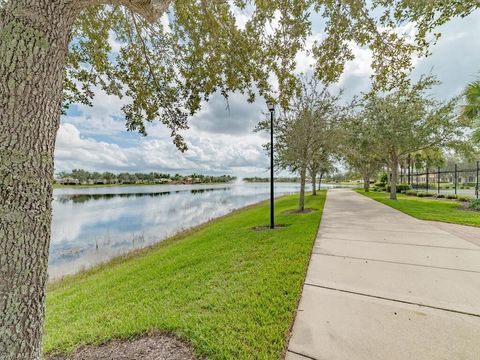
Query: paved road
[383, 285]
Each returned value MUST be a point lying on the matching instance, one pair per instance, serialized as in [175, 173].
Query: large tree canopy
[168, 69]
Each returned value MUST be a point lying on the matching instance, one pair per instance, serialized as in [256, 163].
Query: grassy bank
[227, 289]
[428, 208]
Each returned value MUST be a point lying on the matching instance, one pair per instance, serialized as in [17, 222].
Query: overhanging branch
[150, 10]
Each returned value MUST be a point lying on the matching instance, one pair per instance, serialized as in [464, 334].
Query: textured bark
[34, 38]
[314, 184]
[366, 183]
[33, 47]
[301, 201]
[394, 177]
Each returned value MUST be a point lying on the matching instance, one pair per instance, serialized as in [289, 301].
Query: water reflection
[81, 198]
[93, 225]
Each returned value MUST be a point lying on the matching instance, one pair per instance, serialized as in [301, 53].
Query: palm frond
[471, 110]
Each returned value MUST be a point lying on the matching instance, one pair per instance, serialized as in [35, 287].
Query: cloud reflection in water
[94, 225]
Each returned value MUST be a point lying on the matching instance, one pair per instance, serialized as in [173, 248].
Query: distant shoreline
[85, 186]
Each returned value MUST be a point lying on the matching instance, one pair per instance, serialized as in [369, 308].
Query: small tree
[358, 147]
[305, 131]
[408, 120]
[321, 163]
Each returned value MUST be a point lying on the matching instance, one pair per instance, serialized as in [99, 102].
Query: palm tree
[471, 111]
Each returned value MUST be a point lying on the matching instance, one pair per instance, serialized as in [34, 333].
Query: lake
[92, 225]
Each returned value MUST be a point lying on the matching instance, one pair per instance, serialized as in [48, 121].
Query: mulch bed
[264, 228]
[152, 346]
[296, 211]
[466, 207]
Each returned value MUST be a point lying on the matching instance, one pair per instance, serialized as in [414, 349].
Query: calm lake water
[93, 225]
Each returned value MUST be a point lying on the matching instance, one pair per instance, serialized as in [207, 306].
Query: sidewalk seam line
[396, 262]
[358, 227]
[305, 356]
[394, 300]
[397, 243]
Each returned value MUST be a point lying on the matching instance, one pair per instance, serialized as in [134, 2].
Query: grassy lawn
[227, 289]
[428, 209]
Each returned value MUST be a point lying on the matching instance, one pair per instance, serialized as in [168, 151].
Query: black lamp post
[271, 108]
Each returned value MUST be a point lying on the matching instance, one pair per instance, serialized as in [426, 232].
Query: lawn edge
[299, 296]
[141, 252]
[361, 192]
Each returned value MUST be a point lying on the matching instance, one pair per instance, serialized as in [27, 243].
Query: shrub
[411, 193]
[451, 196]
[440, 196]
[383, 178]
[424, 194]
[403, 187]
[400, 188]
[474, 204]
[464, 198]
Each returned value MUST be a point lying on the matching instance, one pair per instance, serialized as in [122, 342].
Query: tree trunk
[314, 184]
[394, 179]
[301, 202]
[34, 41]
[33, 47]
[320, 181]
[366, 183]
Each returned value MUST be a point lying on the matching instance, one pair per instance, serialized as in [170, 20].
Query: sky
[220, 139]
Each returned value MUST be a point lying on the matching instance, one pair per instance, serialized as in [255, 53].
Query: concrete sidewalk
[383, 285]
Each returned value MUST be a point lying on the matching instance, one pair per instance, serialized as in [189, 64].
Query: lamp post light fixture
[271, 108]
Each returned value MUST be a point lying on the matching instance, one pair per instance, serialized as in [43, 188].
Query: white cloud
[222, 141]
[304, 59]
[165, 21]
[213, 154]
[361, 66]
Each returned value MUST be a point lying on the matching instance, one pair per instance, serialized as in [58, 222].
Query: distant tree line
[257, 179]
[83, 177]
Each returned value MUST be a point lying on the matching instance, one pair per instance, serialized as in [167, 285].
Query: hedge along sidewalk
[229, 290]
[428, 208]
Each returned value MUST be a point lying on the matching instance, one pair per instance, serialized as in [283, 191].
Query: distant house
[67, 181]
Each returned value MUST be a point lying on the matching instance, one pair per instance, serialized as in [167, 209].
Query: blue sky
[221, 140]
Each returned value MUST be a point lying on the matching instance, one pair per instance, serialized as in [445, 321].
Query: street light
[271, 108]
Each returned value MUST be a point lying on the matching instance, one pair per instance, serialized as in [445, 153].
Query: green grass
[230, 291]
[428, 208]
